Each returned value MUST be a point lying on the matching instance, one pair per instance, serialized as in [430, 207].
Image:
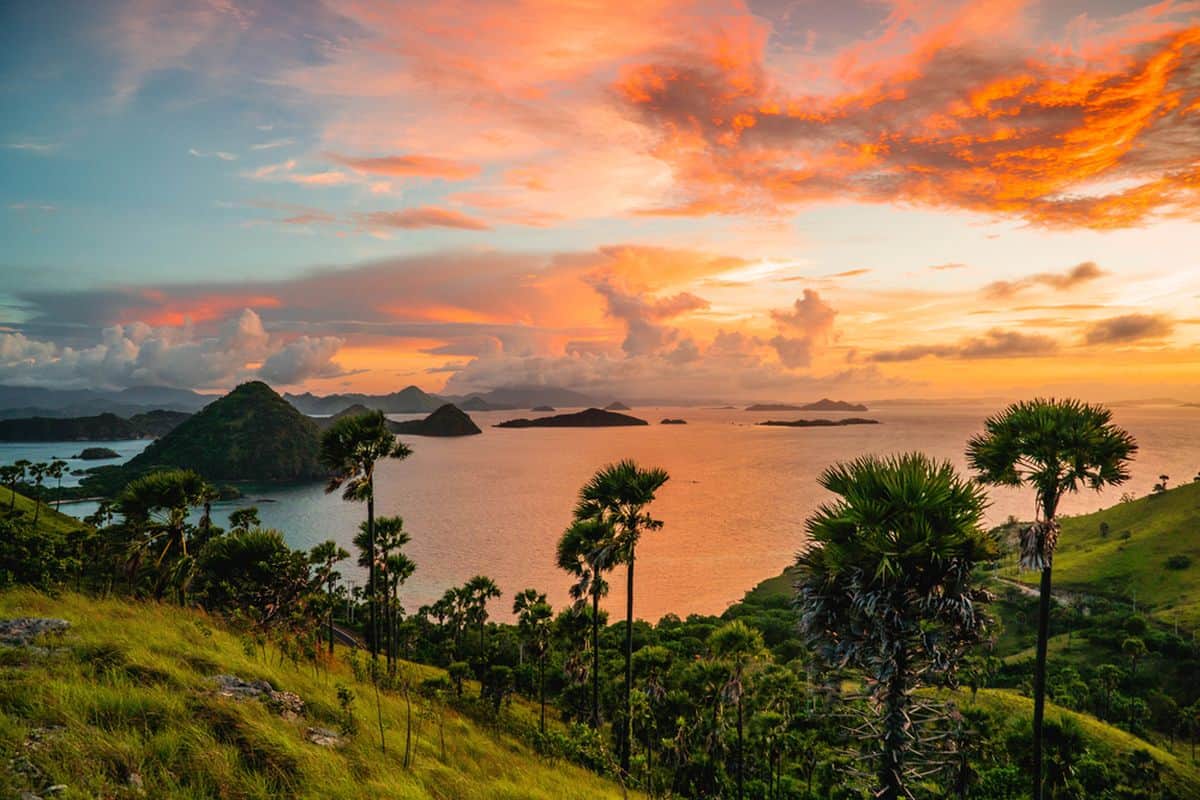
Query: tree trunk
[408, 729]
[542, 691]
[58, 495]
[331, 618]
[626, 744]
[741, 783]
[372, 589]
[595, 660]
[1039, 681]
[895, 723]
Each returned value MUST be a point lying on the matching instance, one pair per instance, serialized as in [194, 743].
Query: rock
[288, 705]
[22, 631]
[57, 788]
[97, 454]
[135, 782]
[670, 421]
[323, 737]
[233, 686]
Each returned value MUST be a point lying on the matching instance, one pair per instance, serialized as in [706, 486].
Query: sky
[764, 200]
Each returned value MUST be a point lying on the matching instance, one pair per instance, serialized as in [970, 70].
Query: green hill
[250, 434]
[48, 519]
[125, 705]
[1146, 551]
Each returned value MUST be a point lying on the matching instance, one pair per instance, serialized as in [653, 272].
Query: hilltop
[250, 434]
[125, 704]
[448, 420]
[1146, 551]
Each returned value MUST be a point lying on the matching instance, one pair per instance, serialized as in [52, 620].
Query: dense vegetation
[847, 690]
[250, 434]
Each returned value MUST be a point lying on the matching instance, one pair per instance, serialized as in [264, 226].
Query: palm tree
[38, 472]
[534, 617]
[326, 555]
[56, 469]
[740, 648]
[21, 466]
[350, 448]
[395, 568]
[586, 551]
[618, 495]
[1056, 447]
[243, 519]
[9, 475]
[157, 505]
[886, 586]
[480, 590]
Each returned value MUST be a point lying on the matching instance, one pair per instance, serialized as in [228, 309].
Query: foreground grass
[124, 706]
[1134, 567]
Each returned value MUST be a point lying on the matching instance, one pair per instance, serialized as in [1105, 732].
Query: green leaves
[1055, 446]
[350, 449]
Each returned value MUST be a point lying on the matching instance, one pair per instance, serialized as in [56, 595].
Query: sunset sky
[698, 200]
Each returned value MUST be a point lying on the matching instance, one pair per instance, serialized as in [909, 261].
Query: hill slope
[125, 705]
[250, 434]
[1160, 527]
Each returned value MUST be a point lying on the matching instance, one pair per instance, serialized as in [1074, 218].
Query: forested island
[588, 418]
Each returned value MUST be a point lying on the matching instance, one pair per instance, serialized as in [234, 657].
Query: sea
[733, 511]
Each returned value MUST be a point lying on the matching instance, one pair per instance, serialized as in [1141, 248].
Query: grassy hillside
[49, 519]
[124, 705]
[1136, 566]
[1103, 739]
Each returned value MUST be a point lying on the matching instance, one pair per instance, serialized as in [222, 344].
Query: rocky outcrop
[24, 631]
[97, 454]
[449, 420]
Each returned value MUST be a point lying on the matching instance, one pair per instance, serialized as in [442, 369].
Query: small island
[819, 423]
[670, 421]
[543, 408]
[449, 420]
[97, 454]
[588, 418]
[824, 404]
[616, 405]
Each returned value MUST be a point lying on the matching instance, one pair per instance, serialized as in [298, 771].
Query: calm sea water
[734, 508]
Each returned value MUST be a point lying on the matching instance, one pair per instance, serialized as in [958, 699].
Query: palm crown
[350, 449]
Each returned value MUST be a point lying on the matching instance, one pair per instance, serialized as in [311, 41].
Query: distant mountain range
[30, 401]
[824, 404]
[413, 400]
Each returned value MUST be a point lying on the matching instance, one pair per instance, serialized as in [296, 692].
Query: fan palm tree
[350, 449]
[586, 551]
[21, 468]
[740, 648]
[56, 469]
[618, 495]
[157, 505]
[886, 585]
[325, 556]
[480, 590]
[38, 472]
[534, 617]
[1056, 447]
[9, 475]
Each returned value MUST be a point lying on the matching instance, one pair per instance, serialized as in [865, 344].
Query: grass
[128, 691]
[49, 519]
[1135, 568]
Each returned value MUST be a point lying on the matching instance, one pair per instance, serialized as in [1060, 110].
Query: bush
[1179, 562]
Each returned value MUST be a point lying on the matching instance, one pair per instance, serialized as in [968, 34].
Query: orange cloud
[409, 165]
[167, 311]
[955, 123]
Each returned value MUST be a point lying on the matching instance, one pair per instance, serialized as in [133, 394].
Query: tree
[1108, 678]
[350, 449]
[10, 475]
[244, 519]
[1134, 649]
[886, 585]
[479, 590]
[1056, 447]
[326, 555]
[618, 495]
[586, 551]
[21, 466]
[739, 648]
[534, 617]
[156, 506]
[56, 469]
[38, 472]
[396, 569]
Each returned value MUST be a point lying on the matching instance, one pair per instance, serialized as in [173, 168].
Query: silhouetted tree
[586, 551]
[534, 617]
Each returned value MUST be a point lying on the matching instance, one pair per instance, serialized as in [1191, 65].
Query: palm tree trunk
[331, 618]
[741, 783]
[628, 725]
[542, 691]
[1039, 681]
[37, 505]
[374, 638]
[595, 660]
[58, 496]
[895, 729]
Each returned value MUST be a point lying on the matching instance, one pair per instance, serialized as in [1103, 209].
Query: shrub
[1179, 561]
